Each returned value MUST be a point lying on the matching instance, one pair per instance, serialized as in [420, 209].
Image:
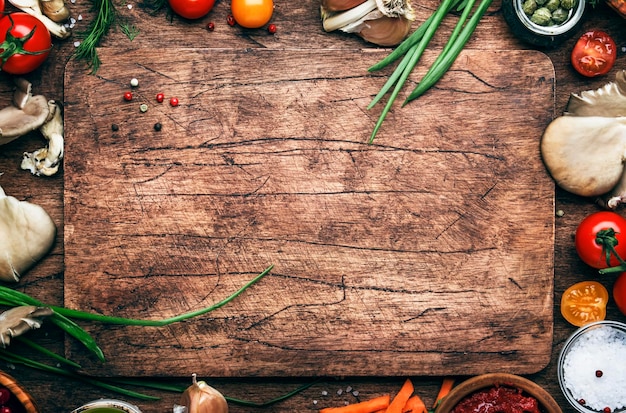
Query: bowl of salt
[592, 368]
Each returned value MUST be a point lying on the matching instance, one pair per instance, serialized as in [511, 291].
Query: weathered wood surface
[445, 223]
[299, 26]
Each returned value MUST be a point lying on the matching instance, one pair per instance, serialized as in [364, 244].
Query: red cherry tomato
[606, 227]
[1, 6]
[594, 54]
[619, 292]
[29, 39]
[191, 9]
[252, 14]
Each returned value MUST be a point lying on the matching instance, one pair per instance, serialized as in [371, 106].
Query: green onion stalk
[412, 48]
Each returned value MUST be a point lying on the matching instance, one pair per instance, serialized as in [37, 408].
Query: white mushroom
[27, 233]
[33, 8]
[585, 149]
[46, 161]
[30, 113]
[19, 320]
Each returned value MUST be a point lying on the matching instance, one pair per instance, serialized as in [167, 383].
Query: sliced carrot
[415, 405]
[367, 406]
[401, 398]
[445, 388]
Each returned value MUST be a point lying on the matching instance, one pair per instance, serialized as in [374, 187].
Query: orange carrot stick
[367, 406]
[415, 405]
[445, 388]
[401, 398]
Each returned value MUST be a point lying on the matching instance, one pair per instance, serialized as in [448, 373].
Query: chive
[452, 51]
[47, 352]
[415, 53]
[16, 359]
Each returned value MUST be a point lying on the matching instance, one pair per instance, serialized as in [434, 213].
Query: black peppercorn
[157, 126]
[115, 128]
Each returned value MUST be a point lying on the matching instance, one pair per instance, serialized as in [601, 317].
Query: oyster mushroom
[585, 149]
[26, 235]
[33, 7]
[19, 320]
[29, 113]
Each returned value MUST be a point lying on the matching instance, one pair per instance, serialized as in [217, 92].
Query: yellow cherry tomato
[584, 303]
[252, 14]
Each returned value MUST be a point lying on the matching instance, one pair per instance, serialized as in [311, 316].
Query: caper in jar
[542, 16]
[552, 5]
[560, 15]
[568, 4]
[529, 7]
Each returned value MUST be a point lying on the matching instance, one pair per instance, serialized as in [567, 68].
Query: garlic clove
[340, 5]
[385, 31]
[202, 398]
[334, 21]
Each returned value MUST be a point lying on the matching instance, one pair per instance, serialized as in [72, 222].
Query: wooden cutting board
[428, 252]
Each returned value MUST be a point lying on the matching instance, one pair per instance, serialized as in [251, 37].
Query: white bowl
[592, 367]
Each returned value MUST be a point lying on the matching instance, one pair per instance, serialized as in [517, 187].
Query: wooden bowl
[18, 391]
[484, 381]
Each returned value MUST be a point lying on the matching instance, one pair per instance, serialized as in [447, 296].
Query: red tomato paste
[498, 399]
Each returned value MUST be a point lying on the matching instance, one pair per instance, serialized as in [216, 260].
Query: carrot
[445, 388]
[401, 398]
[367, 406]
[415, 405]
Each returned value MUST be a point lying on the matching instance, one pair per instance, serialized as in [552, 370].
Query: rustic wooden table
[298, 26]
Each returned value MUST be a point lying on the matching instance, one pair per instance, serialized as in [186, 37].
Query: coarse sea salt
[604, 349]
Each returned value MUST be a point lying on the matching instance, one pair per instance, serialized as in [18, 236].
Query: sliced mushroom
[585, 149]
[19, 320]
[28, 233]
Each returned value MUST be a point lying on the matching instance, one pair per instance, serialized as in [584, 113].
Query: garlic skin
[340, 5]
[381, 22]
[201, 398]
[26, 235]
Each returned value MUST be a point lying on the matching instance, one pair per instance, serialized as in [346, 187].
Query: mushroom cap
[585, 155]
[609, 100]
[28, 233]
[15, 122]
[19, 320]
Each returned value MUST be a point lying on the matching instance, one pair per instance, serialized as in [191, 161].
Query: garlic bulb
[201, 398]
[382, 22]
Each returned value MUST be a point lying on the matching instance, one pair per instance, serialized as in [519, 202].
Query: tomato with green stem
[191, 9]
[252, 14]
[601, 239]
[594, 53]
[619, 292]
[25, 43]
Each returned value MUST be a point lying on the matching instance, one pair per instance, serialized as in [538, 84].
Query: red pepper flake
[271, 28]
[230, 20]
[174, 101]
[599, 373]
[210, 26]
[128, 96]
[160, 97]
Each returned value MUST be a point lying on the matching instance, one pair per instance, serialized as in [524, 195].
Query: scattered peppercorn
[115, 128]
[143, 107]
[582, 402]
[210, 26]
[128, 96]
[160, 97]
[134, 82]
[230, 20]
[174, 101]
[158, 126]
[598, 373]
[271, 28]
[607, 410]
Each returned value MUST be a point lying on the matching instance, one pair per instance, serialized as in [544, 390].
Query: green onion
[450, 52]
[62, 316]
[413, 47]
[47, 352]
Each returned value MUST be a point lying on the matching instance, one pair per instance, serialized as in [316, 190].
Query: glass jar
[107, 406]
[519, 15]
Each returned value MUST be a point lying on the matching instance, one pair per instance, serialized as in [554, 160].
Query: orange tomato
[252, 14]
[584, 303]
